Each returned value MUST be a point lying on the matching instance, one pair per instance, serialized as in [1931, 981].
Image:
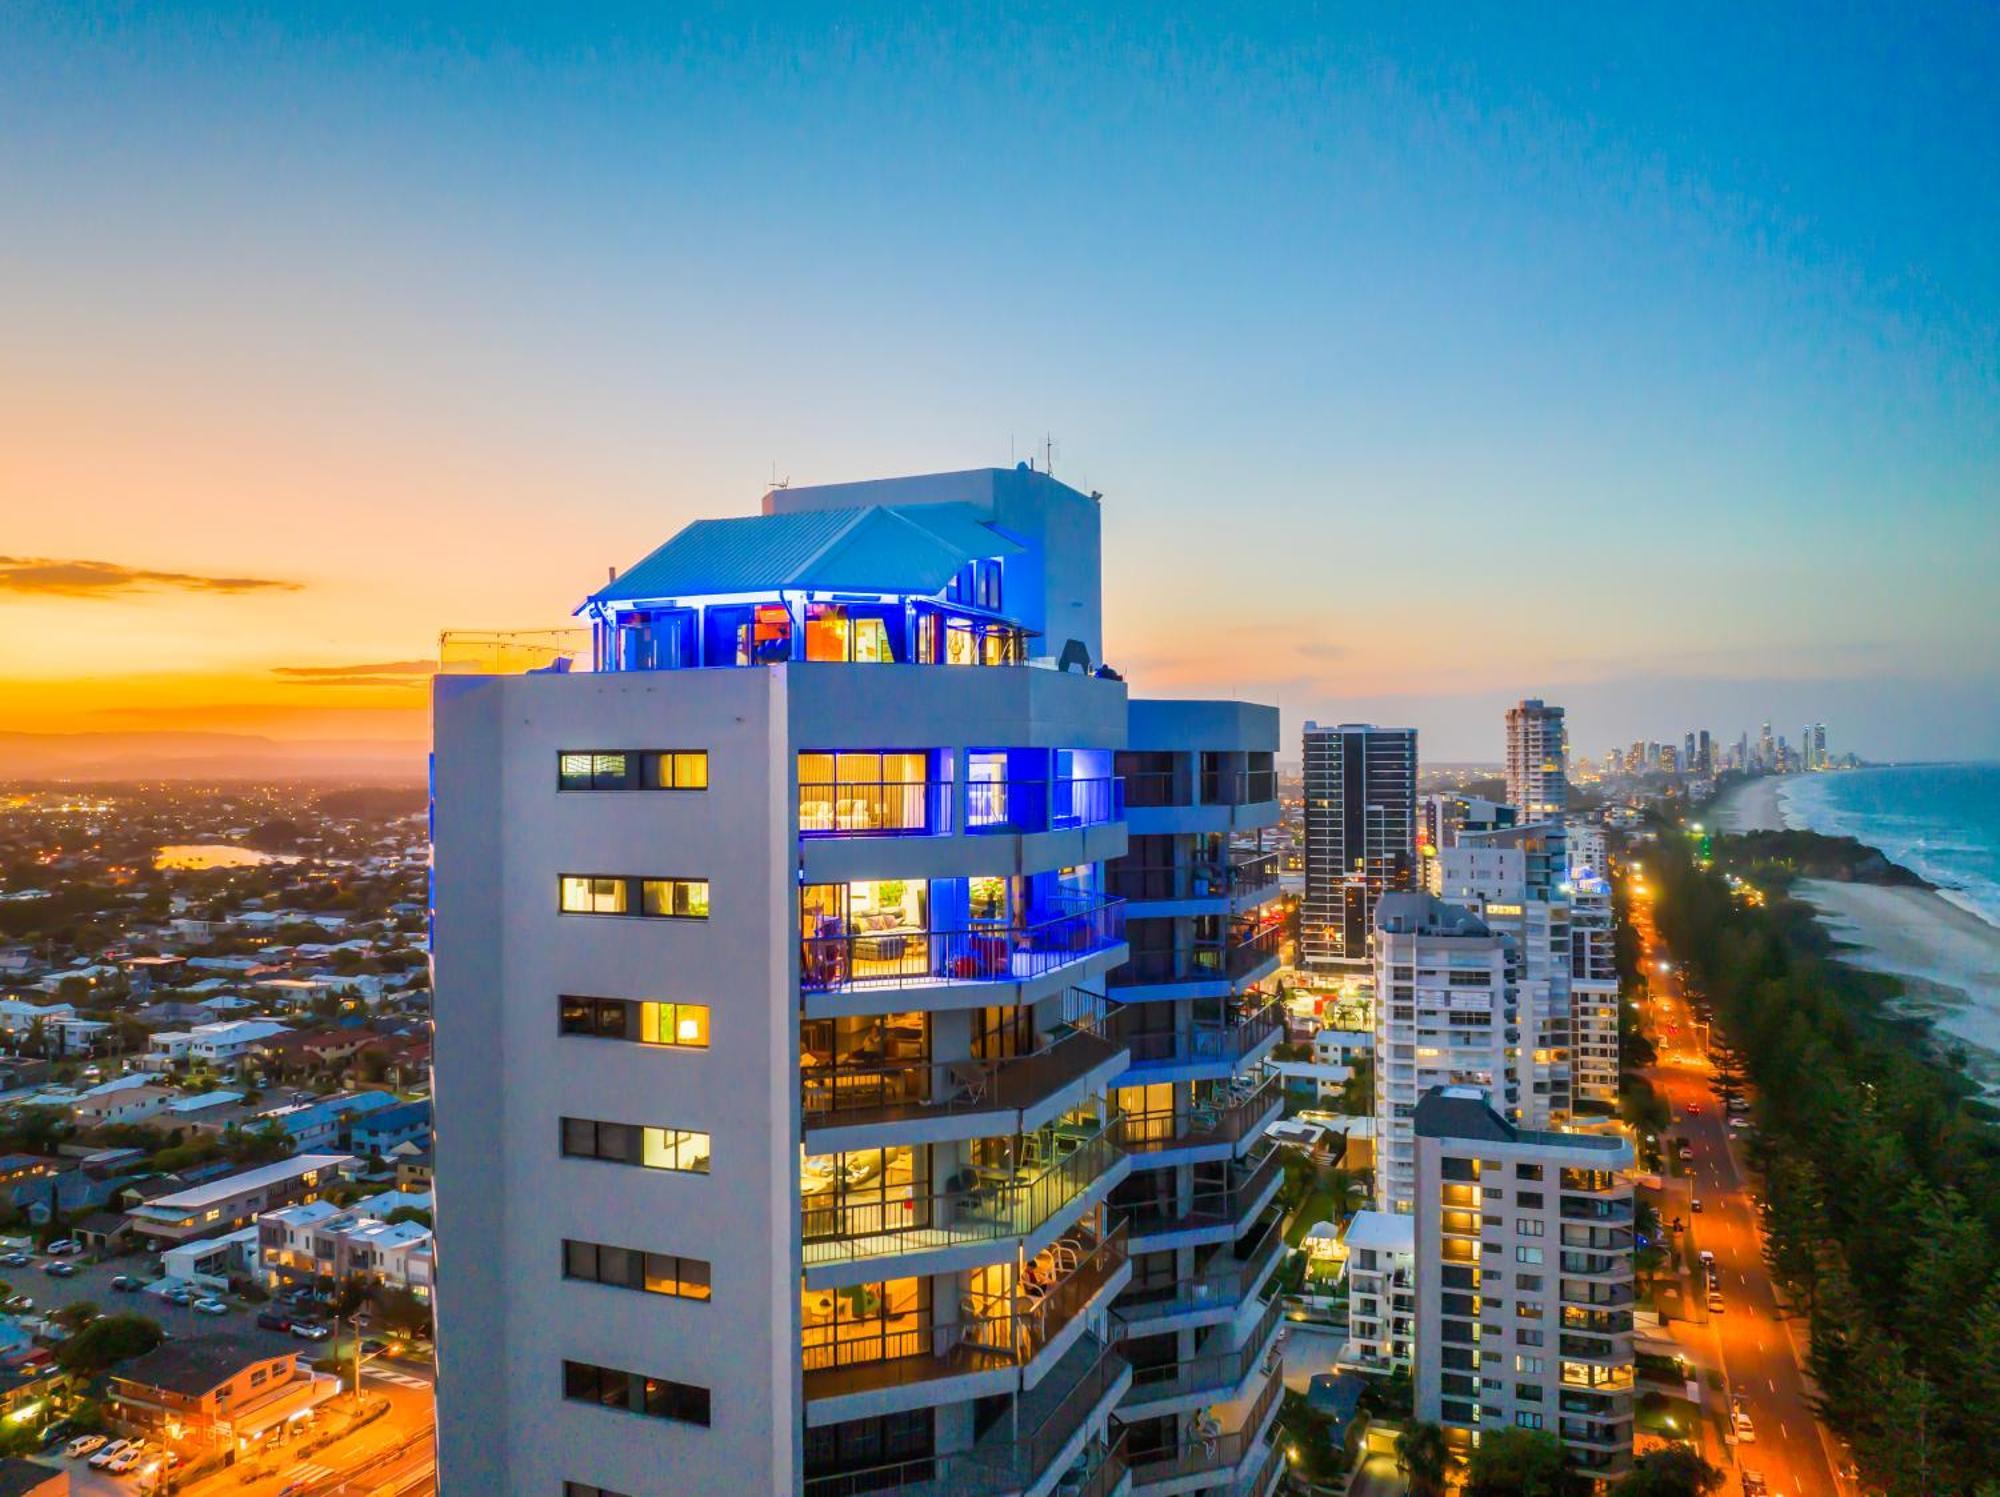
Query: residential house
[206, 1394]
[234, 1200]
[385, 1129]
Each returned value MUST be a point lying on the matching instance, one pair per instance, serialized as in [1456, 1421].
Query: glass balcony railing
[1023, 806]
[1205, 1448]
[1249, 1187]
[1172, 787]
[1212, 1372]
[1246, 873]
[1016, 1452]
[1199, 1042]
[978, 1205]
[1060, 933]
[1001, 1333]
[1246, 952]
[843, 1094]
[1227, 1114]
[1230, 1276]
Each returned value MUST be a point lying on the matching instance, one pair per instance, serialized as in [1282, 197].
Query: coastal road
[1752, 1342]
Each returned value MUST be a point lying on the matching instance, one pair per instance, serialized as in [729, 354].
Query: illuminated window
[632, 769]
[676, 898]
[656, 1397]
[653, 898]
[677, 1149]
[683, 770]
[629, 1268]
[584, 895]
[682, 1025]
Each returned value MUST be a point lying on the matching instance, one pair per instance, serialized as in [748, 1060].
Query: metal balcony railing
[1227, 1279]
[1214, 1372]
[1062, 931]
[845, 1094]
[1233, 962]
[1215, 1206]
[978, 1206]
[1202, 1451]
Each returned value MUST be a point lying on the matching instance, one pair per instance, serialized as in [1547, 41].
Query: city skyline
[322, 354]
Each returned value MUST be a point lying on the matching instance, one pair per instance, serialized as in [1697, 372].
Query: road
[1752, 1342]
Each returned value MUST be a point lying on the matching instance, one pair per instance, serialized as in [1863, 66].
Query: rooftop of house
[230, 1186]
[197, 1366]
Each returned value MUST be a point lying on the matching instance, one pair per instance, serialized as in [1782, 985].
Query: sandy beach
[1948, 958]
[1753, 806]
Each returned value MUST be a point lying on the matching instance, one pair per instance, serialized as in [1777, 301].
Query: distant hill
[90, 757]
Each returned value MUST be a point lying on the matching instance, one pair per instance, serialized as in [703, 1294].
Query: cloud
[102, 579]
[373, 673]
[1322, 649]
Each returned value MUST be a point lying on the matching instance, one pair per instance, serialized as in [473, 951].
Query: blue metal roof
[912, 549]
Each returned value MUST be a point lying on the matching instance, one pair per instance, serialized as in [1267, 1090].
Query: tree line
[1882, 1178]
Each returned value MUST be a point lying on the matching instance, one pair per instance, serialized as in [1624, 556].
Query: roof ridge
[855, 516]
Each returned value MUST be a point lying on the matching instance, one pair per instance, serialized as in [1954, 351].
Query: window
[1527, 1172]
[1528, 1226]
[655, 1397]
[629, 1268]
[675, 1149]
[1527, 1255]
[632, 769]
[585, 1489]
[681, 1026]
[653, 898]
[584, 895]
[1528, 1421]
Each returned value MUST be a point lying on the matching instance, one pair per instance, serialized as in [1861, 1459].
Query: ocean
[1938, 820]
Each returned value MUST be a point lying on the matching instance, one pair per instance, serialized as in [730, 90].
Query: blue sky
[1647, 363]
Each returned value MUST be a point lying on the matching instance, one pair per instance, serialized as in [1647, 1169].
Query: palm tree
[1421, 1458]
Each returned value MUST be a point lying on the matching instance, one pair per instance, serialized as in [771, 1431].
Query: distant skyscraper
[1704, 753]
[1819, 745]
[1767, 749]
[1361, 834]
[1688, 761]
[1537, 760]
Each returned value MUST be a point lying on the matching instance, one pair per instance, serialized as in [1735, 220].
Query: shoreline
[1944, 954]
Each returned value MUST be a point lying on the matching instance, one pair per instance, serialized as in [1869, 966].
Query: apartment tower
[1361, 804]
[1537, 760]
[1524, 1283]
[1447, 1013]
[776, 1085]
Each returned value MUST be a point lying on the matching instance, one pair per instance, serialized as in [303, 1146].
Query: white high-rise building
[1515, 879]
[1440, 821]
[1524, 1282]
[1447, 1013]
[1361, 835]
[809, 1185]
[1593, 992]
[1537, 760]
[1588, 850]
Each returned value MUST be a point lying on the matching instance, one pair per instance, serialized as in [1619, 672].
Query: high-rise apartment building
[1516, 880]
[1447, 1013]
[1440, 820]
[808, 1186]
[1819, 746]
[1204, 925]
[1360, 821]
[1593, 989]
[1704, 752]
[1524, 1281]
[1537, 760]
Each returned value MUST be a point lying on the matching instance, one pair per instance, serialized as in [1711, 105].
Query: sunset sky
[1424, 362]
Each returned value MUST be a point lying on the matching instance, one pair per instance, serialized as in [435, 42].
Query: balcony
[977, 1208]
[1253, 1027]
[1025, 806]
[1577, 1208]
[875, 808]
[1245, 878]
[1217, 1289]
[1060, 934]
[1597, 1265]
[1002, 1337]
[1597, 1239]
[1215, 1213]
[1051, 1430]
[1247, 957]
[1214, 1377]
[1229, 1115]
[1592, 1348]
[1590, 1292]
[1208, 1450]
[1603, 1322]
[1031, 1087]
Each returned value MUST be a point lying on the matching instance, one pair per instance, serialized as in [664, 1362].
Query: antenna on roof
[1048, 454]
[777, 482]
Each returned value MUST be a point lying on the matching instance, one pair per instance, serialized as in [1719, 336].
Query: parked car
[182, 1297]
[271, 1320]
[1745, 1430]
[82, 1445]
[124, 1283]
[306, 1330]
[109, 1453]
[20, 1304]
[208, 1305]
[1694, 1204]
[127, 1460]
[61, 1268]
[16, 1259]
[1753, 1482]
[63, 1246]
[1714, 1302]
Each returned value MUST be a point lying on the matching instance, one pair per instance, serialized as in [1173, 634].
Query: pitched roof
[914, 548]
[198, 1366]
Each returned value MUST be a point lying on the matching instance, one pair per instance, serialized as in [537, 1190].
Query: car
[271, 1320]
[82, 1445]
[1745, 1430]
[1753, 1482]
[109, 1453]
[124, 1283]
[20, 1304]
[1738, 1124]
[210, 1306]
[1694, 1205]
[16, 1259]
[1707, 1257]
[306, 1330]
[63, 1246]
[127, 1460]
[293, 1488]
[373, 1348]
[181, 1297]
[60, 1268]
[1714, 1303]
[1686, 1154]
[1694, 1109]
